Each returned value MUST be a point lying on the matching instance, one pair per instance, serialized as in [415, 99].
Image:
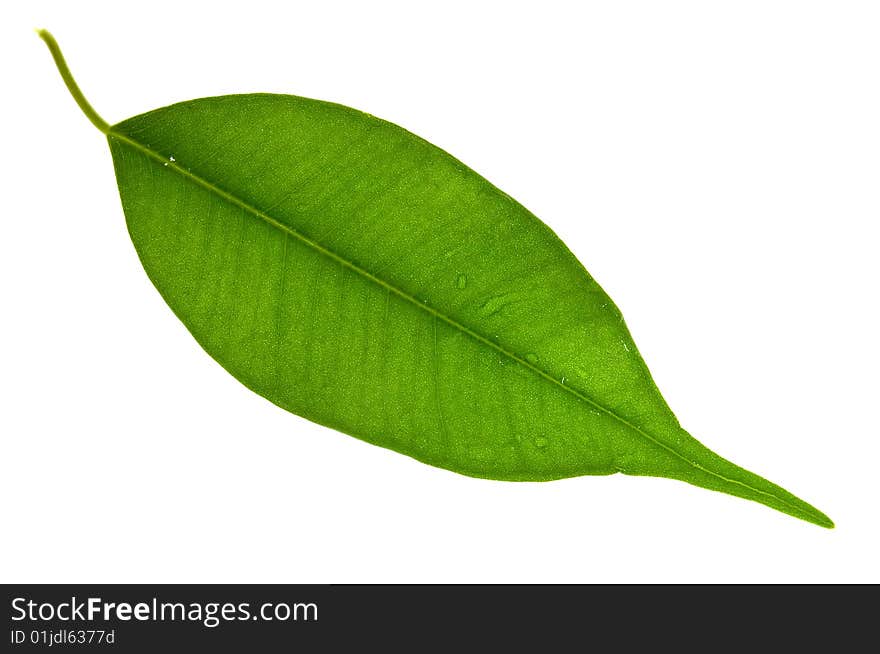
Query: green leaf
[356, 275]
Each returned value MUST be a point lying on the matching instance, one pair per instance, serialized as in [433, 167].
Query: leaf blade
[494, 310]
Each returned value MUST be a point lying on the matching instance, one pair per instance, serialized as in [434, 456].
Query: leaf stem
[87, 109]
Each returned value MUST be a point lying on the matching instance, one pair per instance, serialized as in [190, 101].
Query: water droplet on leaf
[494, 304]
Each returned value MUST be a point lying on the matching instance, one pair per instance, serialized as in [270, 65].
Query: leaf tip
[810, 513]
[824, 521]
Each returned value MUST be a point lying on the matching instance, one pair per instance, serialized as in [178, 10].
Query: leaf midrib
[229, 197]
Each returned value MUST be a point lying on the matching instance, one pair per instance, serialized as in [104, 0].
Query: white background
[716, 166]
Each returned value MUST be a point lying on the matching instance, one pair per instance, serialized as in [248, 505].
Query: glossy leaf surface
[356, 275]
